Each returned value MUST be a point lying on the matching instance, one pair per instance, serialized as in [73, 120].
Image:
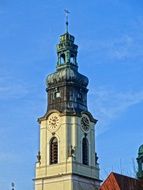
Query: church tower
[140, 163]
[67, 158]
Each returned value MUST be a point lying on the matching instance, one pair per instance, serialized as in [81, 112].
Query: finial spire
[67, 23]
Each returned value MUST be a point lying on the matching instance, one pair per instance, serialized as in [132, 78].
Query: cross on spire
[67, 23]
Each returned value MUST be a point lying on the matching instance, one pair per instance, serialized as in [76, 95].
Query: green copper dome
[140, 150]
[68, 75]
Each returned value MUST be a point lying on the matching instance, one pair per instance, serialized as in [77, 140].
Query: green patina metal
[140, 163]
[140, 152]
[66, 87]
[67, 51]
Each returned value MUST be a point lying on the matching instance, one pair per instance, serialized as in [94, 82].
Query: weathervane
[67, 23]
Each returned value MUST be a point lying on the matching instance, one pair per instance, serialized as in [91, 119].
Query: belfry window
[85, 151]
[72, 59]
[62, 59]
[54, 151]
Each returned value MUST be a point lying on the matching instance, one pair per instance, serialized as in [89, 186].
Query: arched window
[62, 59]
[54, 151]
[72, 59]
[85, 151]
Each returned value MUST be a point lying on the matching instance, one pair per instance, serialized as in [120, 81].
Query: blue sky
[110, 38]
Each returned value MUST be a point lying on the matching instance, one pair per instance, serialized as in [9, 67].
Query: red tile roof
[121, 182]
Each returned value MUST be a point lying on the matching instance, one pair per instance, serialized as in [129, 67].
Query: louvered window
[85, 151]
[53, 151]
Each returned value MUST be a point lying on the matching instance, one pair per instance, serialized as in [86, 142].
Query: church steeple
[140, 163]
[67, 159]
[67, 88]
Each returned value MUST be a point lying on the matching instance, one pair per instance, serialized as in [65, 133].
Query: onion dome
[67, 75]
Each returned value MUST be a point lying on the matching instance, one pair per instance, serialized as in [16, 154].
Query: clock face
[54, 121]
[85, 123]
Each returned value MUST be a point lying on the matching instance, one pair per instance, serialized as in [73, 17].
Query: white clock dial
[85, 123]
[54, 121]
